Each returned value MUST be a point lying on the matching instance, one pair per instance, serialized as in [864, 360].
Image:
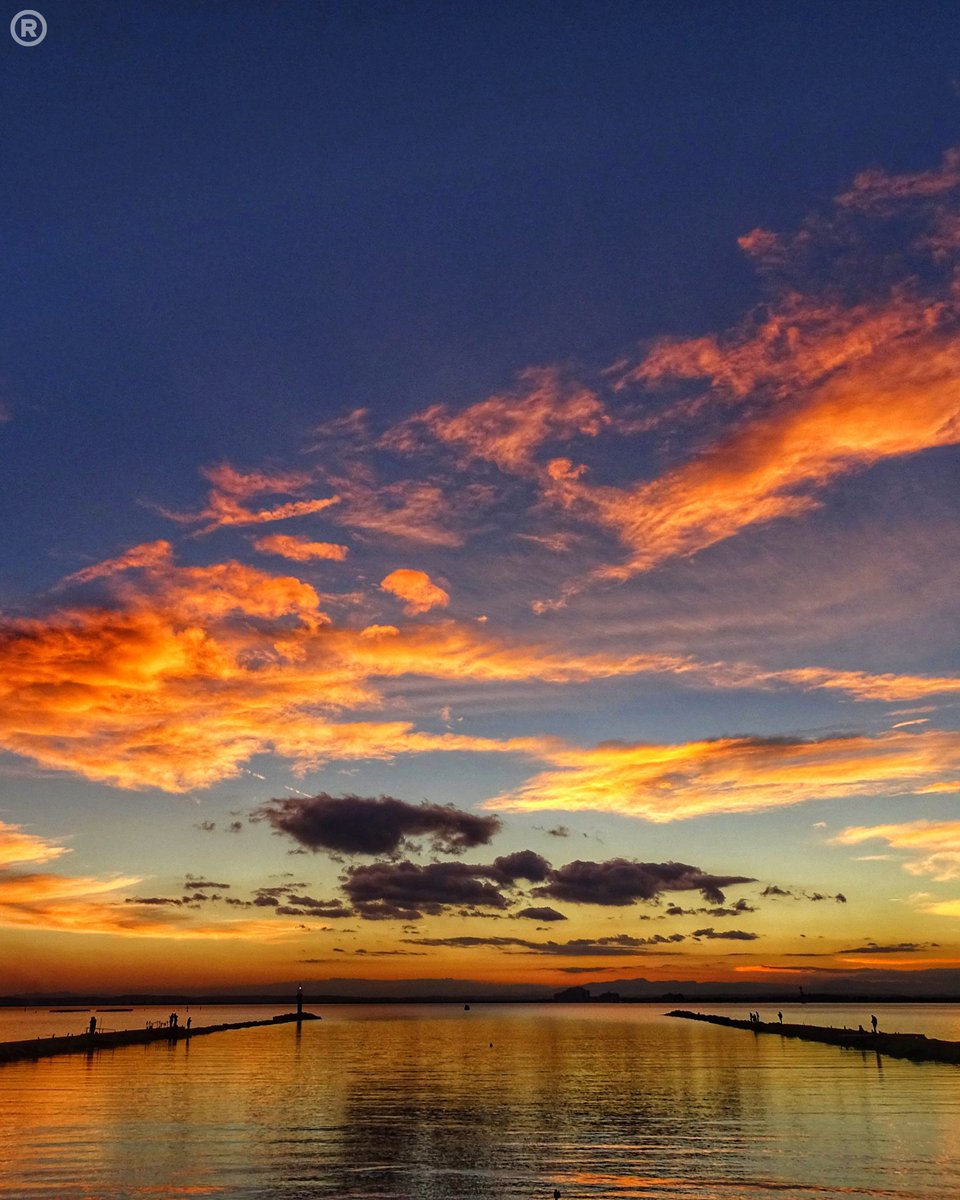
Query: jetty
[95, 1039]
[915, 1046]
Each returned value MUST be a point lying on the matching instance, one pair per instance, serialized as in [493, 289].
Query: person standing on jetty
[873, 1022]
[93, 1026]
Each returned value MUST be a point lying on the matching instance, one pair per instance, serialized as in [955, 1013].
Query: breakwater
[915, 1046]
[86, 1043]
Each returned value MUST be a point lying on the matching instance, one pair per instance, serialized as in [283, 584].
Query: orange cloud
[935, 845]
[507, 429]
[860, 685]
[413, 510]
[417, 589]
[148, 555]
[674, 782]
[19, 847]
[899, 401]
[195, 669]
[298, 549]
[227, 499]
[823, 382]
[876, 189]
[56, 902]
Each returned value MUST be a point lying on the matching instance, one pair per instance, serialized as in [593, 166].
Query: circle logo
[28, 28]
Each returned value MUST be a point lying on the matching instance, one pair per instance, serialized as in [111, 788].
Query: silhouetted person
[173, 1020]
[189, 1022]
[93, 1026]
[780, 1017]
[860, 1029]
[873, 1022]
[556, 1194]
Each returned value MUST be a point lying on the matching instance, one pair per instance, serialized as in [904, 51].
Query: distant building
[573, 993]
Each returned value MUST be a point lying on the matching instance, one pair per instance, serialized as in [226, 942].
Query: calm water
[407, 1101]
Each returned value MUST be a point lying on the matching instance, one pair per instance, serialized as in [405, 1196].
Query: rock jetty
[915, 1046]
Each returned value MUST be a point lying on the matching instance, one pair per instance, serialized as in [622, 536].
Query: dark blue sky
[700, 608]
[224, 222]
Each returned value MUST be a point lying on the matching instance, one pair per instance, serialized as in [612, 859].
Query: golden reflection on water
[500, 1103]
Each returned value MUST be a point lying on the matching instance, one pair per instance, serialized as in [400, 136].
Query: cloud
[933, 846]
[190, 671]
[231, 489]
[620, 881]
[364, 825]
[621, 945]
[853, 360]
[673, 782]
[417, 589]
[904, 400]
[412, 510]
[299, 549]
[731, 935]
[773, 890]
[875, 189]
[897, 948]
[149, 555]
[405, 891]
[522, 864]
[507, 429]
[17, 846]
[733, 910]
[541, 914]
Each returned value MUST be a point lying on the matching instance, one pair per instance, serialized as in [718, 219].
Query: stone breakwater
[85, 1043]
[915, 1046]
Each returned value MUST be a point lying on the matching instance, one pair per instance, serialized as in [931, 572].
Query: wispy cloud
[227, 501]
[508, 429]
[931, 847]
[299, 549]
[664, 783]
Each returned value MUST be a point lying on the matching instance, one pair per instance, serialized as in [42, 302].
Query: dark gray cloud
[620, 881]
[728, 935]
[894, 948]
[309, 906]
[154, 900]
[205, 826]
[196, 884]
[332, 910]
[524, 864]
[541, 914]
[375, 825]
[617, 945]
[404, 889]
[773, 891]
[732, 910]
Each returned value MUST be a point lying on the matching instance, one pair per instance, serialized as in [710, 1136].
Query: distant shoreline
[182, 999]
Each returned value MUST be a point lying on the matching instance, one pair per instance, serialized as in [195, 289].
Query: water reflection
[412, 1102]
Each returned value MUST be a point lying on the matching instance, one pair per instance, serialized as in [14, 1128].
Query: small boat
[68, 1010]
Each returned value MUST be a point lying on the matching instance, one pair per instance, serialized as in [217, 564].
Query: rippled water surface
[498, 1103]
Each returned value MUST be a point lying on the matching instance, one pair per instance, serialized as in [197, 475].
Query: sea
[498, 1102]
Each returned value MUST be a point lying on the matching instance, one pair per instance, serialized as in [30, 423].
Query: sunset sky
[480, 494]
